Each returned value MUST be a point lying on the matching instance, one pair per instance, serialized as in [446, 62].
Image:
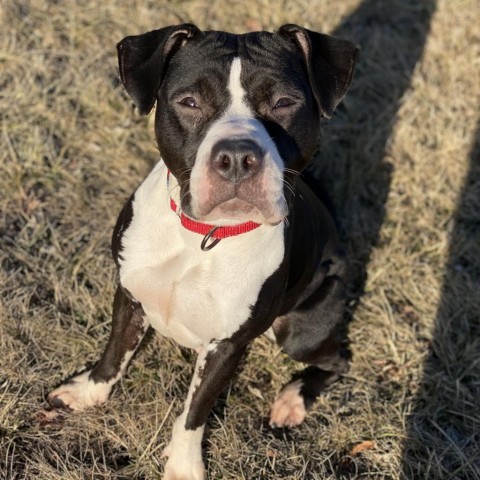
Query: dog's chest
[187, 294]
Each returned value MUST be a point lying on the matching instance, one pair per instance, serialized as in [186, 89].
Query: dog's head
[236, 114]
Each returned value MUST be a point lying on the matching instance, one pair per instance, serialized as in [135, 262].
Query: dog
[224, 240]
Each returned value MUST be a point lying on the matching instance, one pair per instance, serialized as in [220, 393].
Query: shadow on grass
[353, 160]
[443, 437]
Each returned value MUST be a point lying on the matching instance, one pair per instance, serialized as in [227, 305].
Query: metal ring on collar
[207, 237]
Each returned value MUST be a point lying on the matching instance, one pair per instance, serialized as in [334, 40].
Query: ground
[401, 159]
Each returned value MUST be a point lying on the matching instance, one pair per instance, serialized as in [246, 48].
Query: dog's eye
[189, 102]
[284, 102]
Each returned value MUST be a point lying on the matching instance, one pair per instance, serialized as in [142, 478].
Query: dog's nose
[236, 159]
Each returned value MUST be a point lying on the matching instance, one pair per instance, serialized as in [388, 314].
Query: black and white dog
[224, 240]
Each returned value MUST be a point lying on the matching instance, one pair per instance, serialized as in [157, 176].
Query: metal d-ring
[207, 237]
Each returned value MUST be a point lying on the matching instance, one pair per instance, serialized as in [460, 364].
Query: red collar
[210, 231]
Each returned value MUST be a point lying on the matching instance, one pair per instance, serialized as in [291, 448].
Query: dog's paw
[79, 392]
[184, 468]
[184, 454]
[289, 407]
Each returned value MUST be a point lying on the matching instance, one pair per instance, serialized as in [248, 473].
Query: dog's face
[237, 115]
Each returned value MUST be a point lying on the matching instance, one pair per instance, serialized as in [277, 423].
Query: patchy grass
[403, 167]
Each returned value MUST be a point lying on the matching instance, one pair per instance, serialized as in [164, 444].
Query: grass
[402, 161]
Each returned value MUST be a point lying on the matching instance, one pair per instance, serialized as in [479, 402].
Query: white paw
[289, 407]
[184, 468]
[80, 392]
[184, 454]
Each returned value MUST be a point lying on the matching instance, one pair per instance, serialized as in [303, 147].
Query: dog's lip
[232, 205]
[254, 214]
[275, 223]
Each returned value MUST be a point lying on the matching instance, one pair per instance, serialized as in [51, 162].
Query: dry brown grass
[404, 169]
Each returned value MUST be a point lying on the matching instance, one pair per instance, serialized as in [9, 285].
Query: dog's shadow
[442, 430]
[352, 159]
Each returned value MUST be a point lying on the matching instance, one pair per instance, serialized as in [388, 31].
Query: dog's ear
[143, 60]
[330, 63]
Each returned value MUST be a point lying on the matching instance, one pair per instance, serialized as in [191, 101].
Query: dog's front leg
[92, 387]
[216, 364]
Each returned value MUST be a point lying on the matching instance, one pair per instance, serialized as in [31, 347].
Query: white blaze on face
[238, 107]
[238, 121]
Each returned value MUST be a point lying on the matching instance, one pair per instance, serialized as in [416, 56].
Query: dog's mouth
[238, 210]
[225, 203]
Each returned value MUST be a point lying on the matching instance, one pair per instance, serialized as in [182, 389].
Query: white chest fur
[188, 294]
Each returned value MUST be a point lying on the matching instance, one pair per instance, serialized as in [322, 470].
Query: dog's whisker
[183, 171]
[187, 192]
[289, 187]
[171, 189]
